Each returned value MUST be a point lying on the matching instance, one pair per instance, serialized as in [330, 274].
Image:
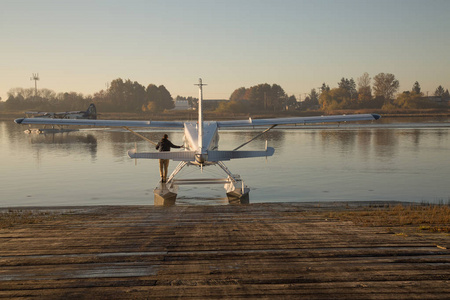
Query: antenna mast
[35, 77]
[200, 113]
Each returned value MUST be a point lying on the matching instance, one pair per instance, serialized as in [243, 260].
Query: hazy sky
[81, 45]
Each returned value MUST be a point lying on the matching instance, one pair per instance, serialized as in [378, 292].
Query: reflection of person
[164, 145]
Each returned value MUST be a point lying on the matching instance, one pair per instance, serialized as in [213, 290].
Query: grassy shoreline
[192, 115]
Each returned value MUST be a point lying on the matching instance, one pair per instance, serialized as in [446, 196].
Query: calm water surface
[399, 160]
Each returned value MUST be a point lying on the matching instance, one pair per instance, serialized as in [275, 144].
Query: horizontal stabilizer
[176, 156]
[227, 155]
[213, 156]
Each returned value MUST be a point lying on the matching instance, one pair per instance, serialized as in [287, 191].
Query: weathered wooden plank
[254, 251]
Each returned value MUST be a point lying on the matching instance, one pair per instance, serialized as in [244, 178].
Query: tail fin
[91, 112]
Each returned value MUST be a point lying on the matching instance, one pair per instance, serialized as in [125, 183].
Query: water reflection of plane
[201, 143]
[66, 140]
[90, 113]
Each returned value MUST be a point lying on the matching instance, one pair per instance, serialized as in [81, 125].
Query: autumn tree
[324, 87]
[25, 93]
[314, 97]
[337, 98]
[235, 106]
[385, 85]
[126, 95]
[413, 100]
[446, 95]
[278, 97]
[238, 94]
[348, 85]
[440, 92]
[158, 99]
[416, 88]
[262, 96]
[407, 100]
[291, 102]
[364, 88]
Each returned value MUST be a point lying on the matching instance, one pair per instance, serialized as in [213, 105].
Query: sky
[80, 46]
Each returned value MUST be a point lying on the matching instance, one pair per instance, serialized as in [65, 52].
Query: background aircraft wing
[100, 123]
[297, 120]
[35, 112]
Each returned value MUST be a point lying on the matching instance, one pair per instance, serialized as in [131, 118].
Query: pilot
[164, 145]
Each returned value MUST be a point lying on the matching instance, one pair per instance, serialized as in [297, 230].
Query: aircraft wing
[179, 124]
[100, 123]
[297, 120]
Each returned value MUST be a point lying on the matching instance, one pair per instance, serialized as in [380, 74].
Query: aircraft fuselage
[210, 139]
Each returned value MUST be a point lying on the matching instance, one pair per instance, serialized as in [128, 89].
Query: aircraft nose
[376, 117]
[19, 121]
[201, 158]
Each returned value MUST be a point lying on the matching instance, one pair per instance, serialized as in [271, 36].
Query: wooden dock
[258, 251]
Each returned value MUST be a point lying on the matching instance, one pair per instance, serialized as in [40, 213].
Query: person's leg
[166, 167]
[161, 168]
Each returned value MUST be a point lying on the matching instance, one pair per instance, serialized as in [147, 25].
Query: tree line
[379, 92]
[364, 93]
[120, 96]
[261, 97]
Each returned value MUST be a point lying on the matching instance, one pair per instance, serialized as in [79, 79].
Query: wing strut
[180, 166]
[140, 135]
[271, 127]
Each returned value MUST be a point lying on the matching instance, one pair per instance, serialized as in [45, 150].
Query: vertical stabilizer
[200, 115]
[91, 112]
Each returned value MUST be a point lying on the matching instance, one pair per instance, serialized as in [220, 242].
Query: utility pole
[35, 77]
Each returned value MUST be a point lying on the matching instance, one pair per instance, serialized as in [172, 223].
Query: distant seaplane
[90, 113]
[201, 146]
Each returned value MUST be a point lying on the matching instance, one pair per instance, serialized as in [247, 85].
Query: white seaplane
[201, 146]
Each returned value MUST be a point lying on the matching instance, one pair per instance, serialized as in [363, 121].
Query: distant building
[435, 99]
[438, 100]
[182, 105]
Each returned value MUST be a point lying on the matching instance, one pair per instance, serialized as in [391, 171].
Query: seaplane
[89, 113]
[201, 146]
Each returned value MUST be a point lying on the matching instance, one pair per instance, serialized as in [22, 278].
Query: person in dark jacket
[164, 145]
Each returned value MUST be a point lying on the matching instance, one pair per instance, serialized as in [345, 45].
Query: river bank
[192, 115]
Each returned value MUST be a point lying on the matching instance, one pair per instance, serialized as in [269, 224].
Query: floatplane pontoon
[201, 147]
